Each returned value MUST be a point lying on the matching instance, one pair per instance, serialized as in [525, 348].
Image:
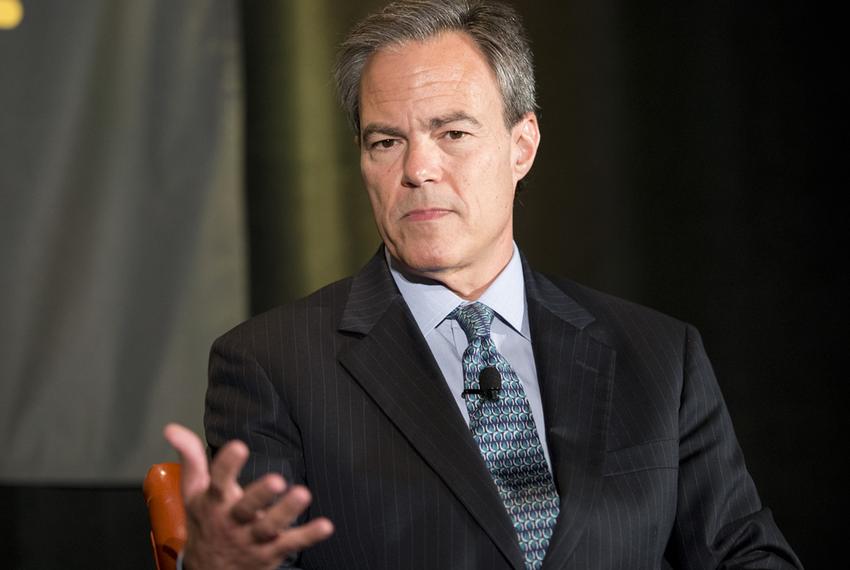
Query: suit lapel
[393, 363]
[575, 372]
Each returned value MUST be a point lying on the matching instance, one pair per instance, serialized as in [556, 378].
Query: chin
[429, 262]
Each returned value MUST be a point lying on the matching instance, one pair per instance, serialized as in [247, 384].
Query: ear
[525, 138]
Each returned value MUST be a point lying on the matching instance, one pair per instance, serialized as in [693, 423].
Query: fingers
[225, 468]
[281, 515]
[303, 537]
[195, 477]
[257, 497]
[226, 522]
[217, 479]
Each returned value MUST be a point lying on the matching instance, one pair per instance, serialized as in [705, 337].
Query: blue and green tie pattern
[505, 432]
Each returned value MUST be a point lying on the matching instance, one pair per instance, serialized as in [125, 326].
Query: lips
[426, 214]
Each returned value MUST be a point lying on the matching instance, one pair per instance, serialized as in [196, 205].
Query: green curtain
[309, 216]
[122, 229]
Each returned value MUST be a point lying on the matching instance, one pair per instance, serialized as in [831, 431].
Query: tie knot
[474, 319]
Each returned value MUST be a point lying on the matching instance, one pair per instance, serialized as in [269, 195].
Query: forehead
[448, 69]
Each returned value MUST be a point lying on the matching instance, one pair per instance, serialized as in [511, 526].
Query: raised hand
[231, 527]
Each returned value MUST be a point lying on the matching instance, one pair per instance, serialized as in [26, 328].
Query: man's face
[439, 164]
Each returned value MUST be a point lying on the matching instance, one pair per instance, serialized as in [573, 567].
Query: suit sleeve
[720, 521]
[243, 404]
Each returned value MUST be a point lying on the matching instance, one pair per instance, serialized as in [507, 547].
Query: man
[447, 406]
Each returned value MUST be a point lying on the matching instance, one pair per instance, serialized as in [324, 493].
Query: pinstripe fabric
[339, 391]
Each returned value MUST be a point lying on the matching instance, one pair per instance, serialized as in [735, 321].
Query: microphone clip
[490, 384]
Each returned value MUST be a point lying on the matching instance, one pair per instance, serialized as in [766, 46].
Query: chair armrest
[167, 513]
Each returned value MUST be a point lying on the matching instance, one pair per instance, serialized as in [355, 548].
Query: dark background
[688, 155]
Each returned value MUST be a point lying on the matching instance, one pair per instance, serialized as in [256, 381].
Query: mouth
[426, 214]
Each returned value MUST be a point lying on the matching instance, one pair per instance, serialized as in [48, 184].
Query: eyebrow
[454, 117]
[435, 123]
[381, 128]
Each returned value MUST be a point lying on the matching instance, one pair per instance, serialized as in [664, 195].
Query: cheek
[380, 206]
[486, 182]
[375, 188]
[380, 180]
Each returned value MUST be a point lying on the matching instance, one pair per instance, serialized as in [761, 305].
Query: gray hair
[495, 28]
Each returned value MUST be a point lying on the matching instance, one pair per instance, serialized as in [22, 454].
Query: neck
[468, 282]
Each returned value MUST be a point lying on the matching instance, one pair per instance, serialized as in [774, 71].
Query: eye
[456, 135]
[383, 144]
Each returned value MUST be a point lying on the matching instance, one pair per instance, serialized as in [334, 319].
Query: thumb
[195, 477]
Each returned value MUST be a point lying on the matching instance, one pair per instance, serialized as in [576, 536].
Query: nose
[421, 164]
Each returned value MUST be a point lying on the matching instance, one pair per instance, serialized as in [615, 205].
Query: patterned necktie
[505, 432]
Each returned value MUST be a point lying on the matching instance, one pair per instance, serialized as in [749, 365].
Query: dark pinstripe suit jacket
[340, 391]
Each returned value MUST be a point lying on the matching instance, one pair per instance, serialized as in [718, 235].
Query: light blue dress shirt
[430, 303]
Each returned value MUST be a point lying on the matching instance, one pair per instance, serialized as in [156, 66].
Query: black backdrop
[687, 150]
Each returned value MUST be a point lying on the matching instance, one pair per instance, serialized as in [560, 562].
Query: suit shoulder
[617, 313]
[325, 304]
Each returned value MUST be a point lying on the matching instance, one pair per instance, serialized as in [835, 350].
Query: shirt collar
[430, 302]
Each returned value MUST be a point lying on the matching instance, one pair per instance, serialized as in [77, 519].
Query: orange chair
[168, 516]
